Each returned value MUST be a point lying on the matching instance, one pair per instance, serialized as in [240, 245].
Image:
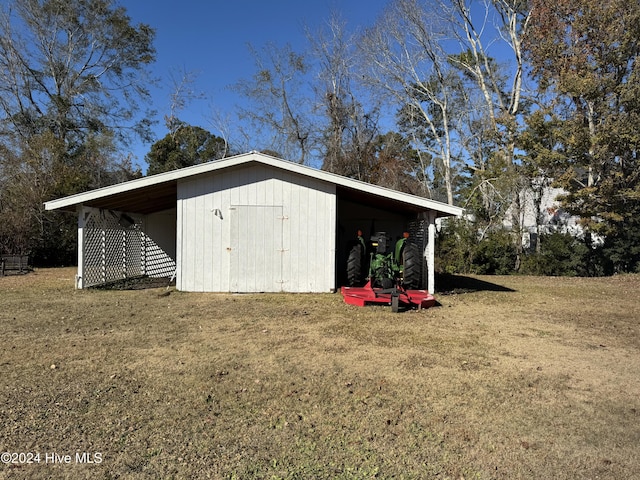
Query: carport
[248, 223]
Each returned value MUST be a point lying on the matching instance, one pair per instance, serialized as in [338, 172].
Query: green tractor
[375, 262]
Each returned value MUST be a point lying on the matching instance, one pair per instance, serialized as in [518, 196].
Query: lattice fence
[115, 247]
[156, 262]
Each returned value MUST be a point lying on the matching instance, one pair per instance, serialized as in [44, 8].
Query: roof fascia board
[159, 178]
[362, 186]
[208, 167]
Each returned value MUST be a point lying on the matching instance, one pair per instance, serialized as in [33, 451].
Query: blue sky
[210, 38]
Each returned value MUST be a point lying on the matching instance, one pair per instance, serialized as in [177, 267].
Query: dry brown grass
[538, 382]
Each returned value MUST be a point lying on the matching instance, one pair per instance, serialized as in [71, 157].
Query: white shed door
[256, 248]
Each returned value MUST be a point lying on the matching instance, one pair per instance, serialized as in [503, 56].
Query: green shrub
[561, 254]
[458, 250]
[621, 248]
[495, 254]
[455, 246]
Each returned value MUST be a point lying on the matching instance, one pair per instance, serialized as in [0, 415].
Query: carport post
[431, 251]
[81, 225]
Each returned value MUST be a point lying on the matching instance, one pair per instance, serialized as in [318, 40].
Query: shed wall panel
[206, 232]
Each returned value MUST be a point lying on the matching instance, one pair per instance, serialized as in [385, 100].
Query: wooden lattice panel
[112, 249]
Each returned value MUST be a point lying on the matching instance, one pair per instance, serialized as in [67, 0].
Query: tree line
[483, 103]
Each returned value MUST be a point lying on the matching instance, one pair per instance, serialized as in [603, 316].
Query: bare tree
[279, 105]
[74, 68]
[73, 80]
[406, 60]
[350, 123]
[182, 94]
[509, 18]
[501, 90]
[221, 124]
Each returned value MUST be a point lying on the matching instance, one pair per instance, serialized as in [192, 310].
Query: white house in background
[248, 223]
[550, 217]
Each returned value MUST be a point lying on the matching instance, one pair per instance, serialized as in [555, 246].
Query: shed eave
[118, 195]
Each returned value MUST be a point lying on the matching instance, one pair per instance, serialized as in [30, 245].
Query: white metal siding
[205, 230]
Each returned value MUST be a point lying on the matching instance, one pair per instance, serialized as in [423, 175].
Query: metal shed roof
[158, 192]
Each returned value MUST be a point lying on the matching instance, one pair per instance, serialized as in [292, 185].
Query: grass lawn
[509, 378]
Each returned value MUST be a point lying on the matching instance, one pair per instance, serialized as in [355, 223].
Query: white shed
[248, 223]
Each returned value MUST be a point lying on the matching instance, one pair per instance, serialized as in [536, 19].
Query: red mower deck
[361, 296]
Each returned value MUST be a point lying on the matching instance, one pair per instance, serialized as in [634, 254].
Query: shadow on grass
[453, 284]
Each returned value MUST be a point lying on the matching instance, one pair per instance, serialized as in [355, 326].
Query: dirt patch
[531, 378]
[137, 283]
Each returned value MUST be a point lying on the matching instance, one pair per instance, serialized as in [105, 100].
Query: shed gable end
[209, 225]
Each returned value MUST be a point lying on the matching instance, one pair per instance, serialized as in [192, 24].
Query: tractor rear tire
[411, 271]
[355, 266]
